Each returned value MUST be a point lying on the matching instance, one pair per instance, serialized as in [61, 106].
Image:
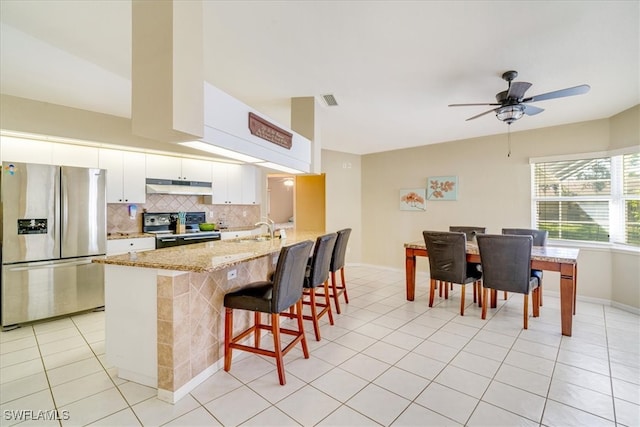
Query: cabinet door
[219, 179]
[234, 184]
[164, 167]
[251, 190]
[134, 175]
[196, 170]
[25, 150]
[111, 160]
[75, 155]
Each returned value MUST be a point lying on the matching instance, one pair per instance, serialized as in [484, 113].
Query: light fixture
[288, 182]
[510, 113]
[203, 146]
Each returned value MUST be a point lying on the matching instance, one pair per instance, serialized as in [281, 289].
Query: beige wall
[494, 191]
[343, 198]
[625, 128]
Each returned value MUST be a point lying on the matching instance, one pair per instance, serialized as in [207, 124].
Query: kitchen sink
[254, 239]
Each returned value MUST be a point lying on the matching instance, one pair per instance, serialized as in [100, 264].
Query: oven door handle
[167, 239]
[197, 238]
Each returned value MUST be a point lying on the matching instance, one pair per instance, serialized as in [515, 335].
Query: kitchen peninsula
[164, 314]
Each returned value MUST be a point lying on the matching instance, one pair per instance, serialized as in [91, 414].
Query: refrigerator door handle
[34, 266]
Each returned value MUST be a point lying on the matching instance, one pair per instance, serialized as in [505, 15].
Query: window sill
[605, 247]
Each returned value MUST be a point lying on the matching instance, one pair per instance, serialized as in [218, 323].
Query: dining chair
[317, 279]
[539, 239]
[337, 265]
[471, 232]
[447, 252]
[506, 266]
[274, 297]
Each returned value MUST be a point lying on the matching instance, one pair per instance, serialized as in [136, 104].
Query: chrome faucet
[270, 225]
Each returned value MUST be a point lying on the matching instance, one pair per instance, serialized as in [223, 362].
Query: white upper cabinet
[164, 167]
[176, 168]
[251, 193]
[196, 170]
[125, 175]
[20, 150]
[75, 155]
[227, 183]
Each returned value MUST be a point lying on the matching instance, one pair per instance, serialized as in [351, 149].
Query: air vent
[330, 100]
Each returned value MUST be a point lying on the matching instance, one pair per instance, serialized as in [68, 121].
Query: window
[590, 199]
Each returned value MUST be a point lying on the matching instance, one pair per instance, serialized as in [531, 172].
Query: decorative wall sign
[442, 188]
[269, 132]
[413, 199]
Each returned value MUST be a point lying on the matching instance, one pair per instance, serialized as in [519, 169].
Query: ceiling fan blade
[531, 110]
[517, 90]
[570, 91]
[471, 105]
[481, 114]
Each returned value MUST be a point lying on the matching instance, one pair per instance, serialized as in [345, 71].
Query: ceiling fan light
[288, 182]
[510, 113]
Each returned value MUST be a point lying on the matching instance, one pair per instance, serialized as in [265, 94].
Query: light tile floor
[386, 361]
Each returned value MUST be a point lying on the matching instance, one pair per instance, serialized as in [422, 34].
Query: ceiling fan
[511, 103]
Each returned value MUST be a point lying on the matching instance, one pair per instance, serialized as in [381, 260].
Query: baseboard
[624, 307]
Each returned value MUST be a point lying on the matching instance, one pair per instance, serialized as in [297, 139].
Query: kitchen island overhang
[164, 313]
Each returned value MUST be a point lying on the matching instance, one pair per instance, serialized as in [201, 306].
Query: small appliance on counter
[165, 225]
[53, 225]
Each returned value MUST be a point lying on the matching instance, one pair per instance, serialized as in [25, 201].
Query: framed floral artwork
[442, 188]
[413, 199]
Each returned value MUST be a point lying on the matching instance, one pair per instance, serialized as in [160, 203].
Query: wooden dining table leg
[410, 271]
[567, 297]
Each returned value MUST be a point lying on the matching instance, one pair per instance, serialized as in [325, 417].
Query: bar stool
[272, 297]
[337, 264]
[317, 278]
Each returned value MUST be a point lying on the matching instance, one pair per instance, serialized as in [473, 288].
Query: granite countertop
[208, 256]
[137, 234]
[132, 235]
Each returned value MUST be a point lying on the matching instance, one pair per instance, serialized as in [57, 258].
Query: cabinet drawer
[123, 246]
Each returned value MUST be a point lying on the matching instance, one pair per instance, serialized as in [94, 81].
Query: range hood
[185, 188]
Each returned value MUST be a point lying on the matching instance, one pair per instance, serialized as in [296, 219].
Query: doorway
[280, 196]
[297, 201]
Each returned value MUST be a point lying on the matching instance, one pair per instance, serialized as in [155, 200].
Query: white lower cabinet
[123, 246]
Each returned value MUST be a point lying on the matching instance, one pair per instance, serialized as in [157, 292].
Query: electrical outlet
[211, 214]
[232, 274]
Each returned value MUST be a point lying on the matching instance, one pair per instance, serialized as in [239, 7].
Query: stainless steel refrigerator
[53, 225]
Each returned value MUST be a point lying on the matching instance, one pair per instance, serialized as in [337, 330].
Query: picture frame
[413, 199]
[442, 188]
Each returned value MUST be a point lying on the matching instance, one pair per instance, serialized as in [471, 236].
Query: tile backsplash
[118, 220]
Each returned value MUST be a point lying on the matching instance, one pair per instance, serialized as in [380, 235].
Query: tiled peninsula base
[165, 329]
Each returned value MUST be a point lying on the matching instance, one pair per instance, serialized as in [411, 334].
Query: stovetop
[164, 224]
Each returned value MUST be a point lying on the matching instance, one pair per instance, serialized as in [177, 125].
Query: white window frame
[616, 199]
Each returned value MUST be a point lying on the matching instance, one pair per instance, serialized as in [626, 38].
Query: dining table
[550, 258]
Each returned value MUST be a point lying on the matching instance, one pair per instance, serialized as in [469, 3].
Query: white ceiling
[393, 66]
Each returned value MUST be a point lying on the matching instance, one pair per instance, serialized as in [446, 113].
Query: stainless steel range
[164, 224]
